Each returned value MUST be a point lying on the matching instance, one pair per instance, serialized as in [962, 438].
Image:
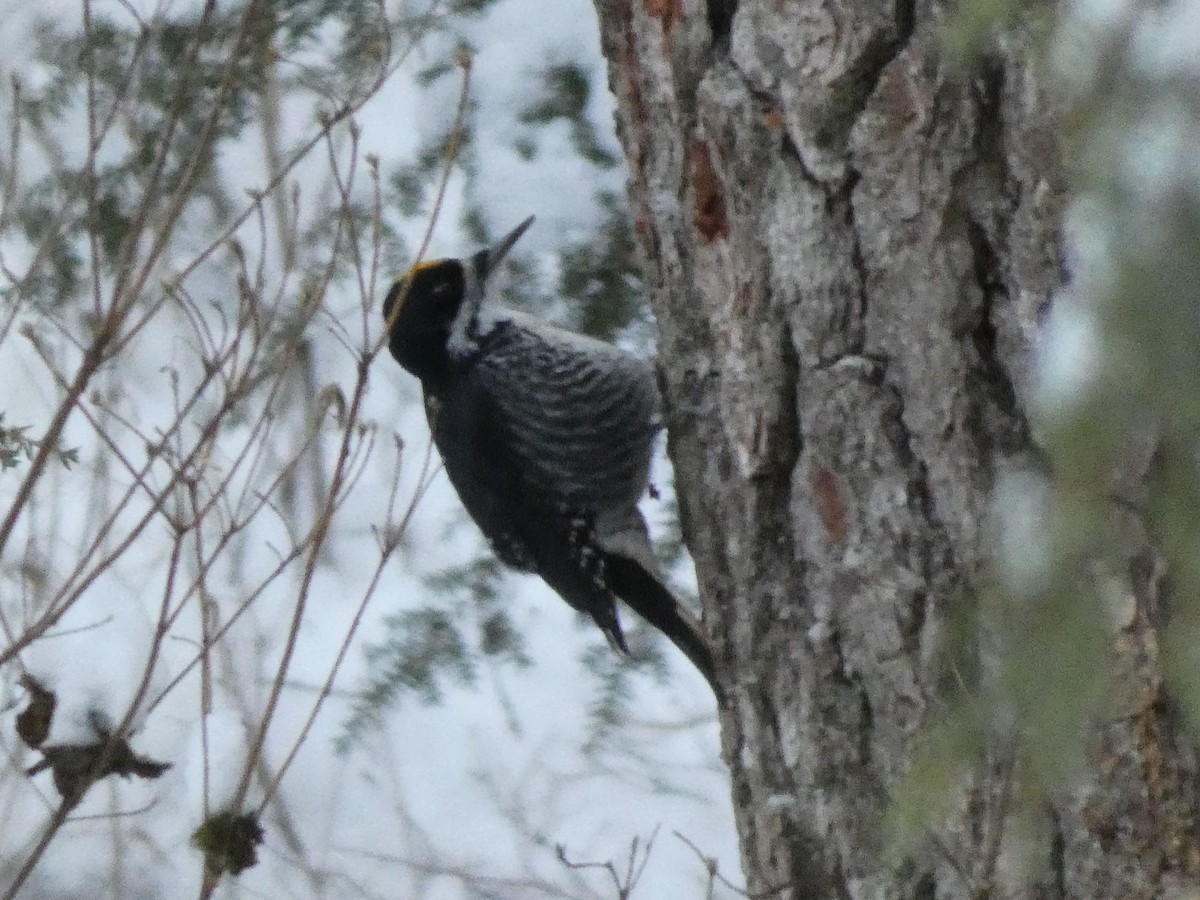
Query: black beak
[493, 256]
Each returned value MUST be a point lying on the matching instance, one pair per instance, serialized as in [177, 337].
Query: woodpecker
[546, 436]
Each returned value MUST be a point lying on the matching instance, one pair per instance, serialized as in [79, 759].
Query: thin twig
[715, 876]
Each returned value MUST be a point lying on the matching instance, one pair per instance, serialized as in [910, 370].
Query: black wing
[543, 434]
[469, 434]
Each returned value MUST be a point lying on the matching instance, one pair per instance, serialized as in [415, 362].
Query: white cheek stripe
[463, 329]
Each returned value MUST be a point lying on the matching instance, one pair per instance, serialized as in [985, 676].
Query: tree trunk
[849, 244]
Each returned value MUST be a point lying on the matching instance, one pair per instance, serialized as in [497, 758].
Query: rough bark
[848, 243]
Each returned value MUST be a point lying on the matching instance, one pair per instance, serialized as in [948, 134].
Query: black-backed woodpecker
[546, 436]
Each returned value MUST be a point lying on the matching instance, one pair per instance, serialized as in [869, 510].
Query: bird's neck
[424, 356]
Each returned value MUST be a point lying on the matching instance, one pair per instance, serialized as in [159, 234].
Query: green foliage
[357, 216]
[978, 24]
[467, 620]
[180, 86]
[472, 7]
[475, 590]
[565, 95]
[611, 702]
[599, 278]
[229, 842]
[431, 647]
[599, 292]
[1139, 239]
[411, 185]
[190, 79]
[407, 186]
[1075, 640]
[599, 281]
[433, 73]
[16, 445]
[131, 122]
[426, 646]
[948, 754]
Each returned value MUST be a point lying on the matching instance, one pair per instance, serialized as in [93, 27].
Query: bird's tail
[646, 595]
[605, 615]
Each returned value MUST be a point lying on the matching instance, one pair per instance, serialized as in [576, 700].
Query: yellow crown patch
[422, 266]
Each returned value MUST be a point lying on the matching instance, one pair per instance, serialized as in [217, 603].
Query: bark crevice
[842, 198]
[1012, 428]
[848, 277]
[720, 15]
[1058, 852]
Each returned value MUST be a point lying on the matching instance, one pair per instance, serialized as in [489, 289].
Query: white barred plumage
[547, 437]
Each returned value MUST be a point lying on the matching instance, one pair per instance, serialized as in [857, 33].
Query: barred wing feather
[580, 415]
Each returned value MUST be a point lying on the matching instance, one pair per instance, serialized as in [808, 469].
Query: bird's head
[439, 302]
